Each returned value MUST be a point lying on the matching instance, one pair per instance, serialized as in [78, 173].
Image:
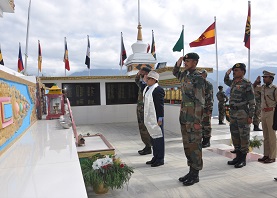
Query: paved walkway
[217, 179]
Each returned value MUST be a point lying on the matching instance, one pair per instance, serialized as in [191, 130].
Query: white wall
[104, 114]
[171, 118]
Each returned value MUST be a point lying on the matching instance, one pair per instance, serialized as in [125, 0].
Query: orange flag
[207, 38]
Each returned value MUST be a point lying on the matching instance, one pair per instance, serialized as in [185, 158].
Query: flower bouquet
[105, 170]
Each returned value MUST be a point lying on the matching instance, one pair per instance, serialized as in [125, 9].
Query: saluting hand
[179, 62]
[229, 71]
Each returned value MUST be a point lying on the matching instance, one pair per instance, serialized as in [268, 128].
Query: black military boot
[221, 123]
[256, 128]
[206, 142]
[192, 178]
[184, 178]
[242, 161]
[236, 159]
[234, 151]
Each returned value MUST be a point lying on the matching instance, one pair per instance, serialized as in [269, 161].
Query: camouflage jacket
[258, 95]
[241, 95]
[221, 97]
[209, 96]
[193, 91]
[141, 87]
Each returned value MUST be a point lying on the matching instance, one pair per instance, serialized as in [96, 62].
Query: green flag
[180, 43]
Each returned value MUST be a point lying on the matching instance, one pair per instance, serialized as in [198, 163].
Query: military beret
[267, 73]
[220, 87]
[147, 69]
[239, 65]
[191, 55]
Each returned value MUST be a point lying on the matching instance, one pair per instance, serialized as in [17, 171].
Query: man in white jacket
[153, 96]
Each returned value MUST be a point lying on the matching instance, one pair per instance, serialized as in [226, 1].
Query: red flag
[247, 28]
[65, 58]
[20, 66]
[123, 54]
[207, 38]
[148, 48]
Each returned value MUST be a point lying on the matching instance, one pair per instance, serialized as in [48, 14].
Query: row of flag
[208, 36]
[20, 66]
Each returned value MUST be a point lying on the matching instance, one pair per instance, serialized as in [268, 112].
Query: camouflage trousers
[221, 111]
[144, 134]
[206, 125]
[240, 130]
[192, 145]
[257, 114]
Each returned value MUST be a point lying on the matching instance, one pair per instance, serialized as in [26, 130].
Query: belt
[238, 107]
[268, 109]
[188, 104]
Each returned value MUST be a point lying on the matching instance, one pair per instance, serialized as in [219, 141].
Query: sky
[104, 20]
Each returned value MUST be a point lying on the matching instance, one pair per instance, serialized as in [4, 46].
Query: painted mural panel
[17, 110]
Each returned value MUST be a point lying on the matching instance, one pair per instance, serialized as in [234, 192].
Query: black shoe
[256, 128]
[206, 142]
[235, 160]
[184, 178]
[262, 159]
[234, 151]
[145, 151]
[150, 162]
[275, 178]
[191, 180]
[156, 164]
[242, 161]
[222, 123]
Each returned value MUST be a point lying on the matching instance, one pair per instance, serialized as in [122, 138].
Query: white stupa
[140, 57]
[6, 6]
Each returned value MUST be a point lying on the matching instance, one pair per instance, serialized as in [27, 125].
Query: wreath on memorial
[105, 170]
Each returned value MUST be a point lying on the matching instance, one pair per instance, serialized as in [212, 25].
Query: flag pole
[27, 38]
[121, 54]
[38, 58]
[183, 27]
[249, 7]
[64, 56]
[216, 52]
[89, 57]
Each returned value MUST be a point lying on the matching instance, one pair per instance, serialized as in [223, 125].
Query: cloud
[52, 20]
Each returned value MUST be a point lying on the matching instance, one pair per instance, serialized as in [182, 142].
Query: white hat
[154, 75]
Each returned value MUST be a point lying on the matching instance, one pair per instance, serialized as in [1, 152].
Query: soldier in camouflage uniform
[257, 114]
[191, 114]
[222, 99]
[144, 134]
[208, 108]
[242, 107]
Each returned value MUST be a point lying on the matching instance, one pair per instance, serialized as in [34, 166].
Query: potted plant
[255, 143]
[105, 171]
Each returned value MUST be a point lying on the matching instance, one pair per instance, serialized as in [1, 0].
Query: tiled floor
[217, 179]
[43, 163]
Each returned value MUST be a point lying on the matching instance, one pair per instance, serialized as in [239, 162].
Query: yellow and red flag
[207, 38]
[65, 58]
[20, 66]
